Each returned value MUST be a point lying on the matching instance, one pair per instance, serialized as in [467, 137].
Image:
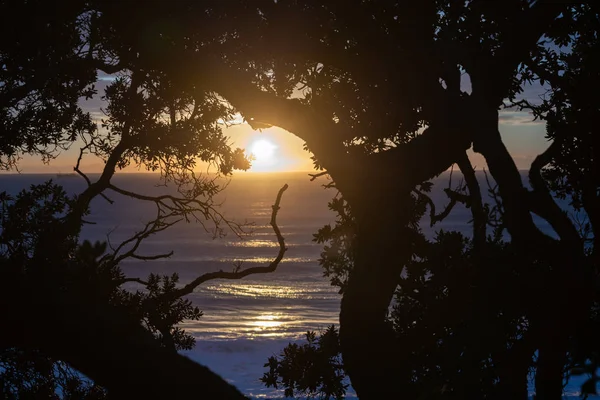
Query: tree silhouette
[456, 331]
[150, 121]
[382, 112]
[310, 369]
[375, 91]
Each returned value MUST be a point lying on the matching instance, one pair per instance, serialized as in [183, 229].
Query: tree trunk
[564, 311]
[513, 369]
[552, 357]
[369, 348]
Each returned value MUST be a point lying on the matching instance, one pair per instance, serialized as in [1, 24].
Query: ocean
[245, 321]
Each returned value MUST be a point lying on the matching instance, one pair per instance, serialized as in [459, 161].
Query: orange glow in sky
[264, 155]
[276, 150]
[273, 149]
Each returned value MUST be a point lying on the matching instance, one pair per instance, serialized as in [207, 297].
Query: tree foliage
[472, 317]
[378, 93]
[151, 120]
[311, 369]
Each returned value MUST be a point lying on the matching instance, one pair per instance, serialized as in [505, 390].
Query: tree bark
[552, 357]
[370, 350]
[513, 369]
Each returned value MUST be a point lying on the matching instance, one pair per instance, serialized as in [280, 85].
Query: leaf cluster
[312, 369]
[161, 313]
[44, 73]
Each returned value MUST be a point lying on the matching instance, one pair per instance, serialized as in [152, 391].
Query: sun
[263, 149]
[264, 153]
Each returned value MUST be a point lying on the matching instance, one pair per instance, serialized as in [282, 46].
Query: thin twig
[120, 282]
[84, 176]
[454, 196]
[315, 176]
[185, 207]
[189, 288]
[151, 228]
[153, 257]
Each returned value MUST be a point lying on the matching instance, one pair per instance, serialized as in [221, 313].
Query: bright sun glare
[263, 151]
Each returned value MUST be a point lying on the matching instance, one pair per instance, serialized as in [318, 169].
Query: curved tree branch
[151, 228]
[322, 135]
[120, 282]
[71, 224]
[318, 175]
[83, 175]
[170, 206]
[103, 182]
[542, 203]
[476, 203]
[454, 196]
[189, 288]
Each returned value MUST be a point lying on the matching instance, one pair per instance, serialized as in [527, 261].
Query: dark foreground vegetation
[386, 95]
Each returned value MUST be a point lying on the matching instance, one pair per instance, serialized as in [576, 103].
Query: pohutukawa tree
[74, 290]
[374, 89]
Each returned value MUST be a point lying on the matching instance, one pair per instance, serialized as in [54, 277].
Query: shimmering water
[245, 321]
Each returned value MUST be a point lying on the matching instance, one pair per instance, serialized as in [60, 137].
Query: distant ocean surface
[245, 321]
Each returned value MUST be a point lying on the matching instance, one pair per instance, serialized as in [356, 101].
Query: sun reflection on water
[254, 243]
[258, 291]
[266, 321]
[265, 260]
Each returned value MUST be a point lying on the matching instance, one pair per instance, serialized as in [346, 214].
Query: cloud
[517, 118]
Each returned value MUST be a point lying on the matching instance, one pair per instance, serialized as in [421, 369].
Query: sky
[277, 150]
